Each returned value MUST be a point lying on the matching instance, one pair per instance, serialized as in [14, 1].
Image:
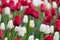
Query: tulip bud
[47, 29]
[36, 39]
[31, 37]
[10, 24]
[15, 2]
[59, 9]
[1, 34]
[53, 11]
[47, 12]
[56, 36]
[57, 25]
[17, 20]
[18, 6]
[22, 31]
[17, 28]
[25, 19]
[17, 39]
[52, 29]
[36, 2]
[58, 3]
[54, 5]
[48, 6]
[31, 24]
[2, 26]
[58, 16]
[48, 37]
[5, 38]
[7, 11]
[1, 10]
[42, 7]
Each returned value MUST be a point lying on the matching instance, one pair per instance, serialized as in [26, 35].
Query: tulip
[56, 36]
[31, 24]
[48, 37]
[59, 9]
[7, 11]
[24, 2]
[36, 39]
[47, 12]
[10, 24]
[58, 16]
[48, 5]
[18, 6]
[1, 10]
[15, 2]
[22, 31]
[42, 7]
[58, 3]
[54, 5]
[31, 37]
[48, 19]
[30, 5]
[0, 17]
[2, 26]
[17, 20]
[5, 38]
[17, 28]
[53, 11]
[57, 25]
[25, 19]
[52, 29]
[36, 14]
[47, 29]
[1, 34]
[17, 39]
[36, 2]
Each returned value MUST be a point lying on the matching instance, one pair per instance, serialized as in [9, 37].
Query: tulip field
[29, 19]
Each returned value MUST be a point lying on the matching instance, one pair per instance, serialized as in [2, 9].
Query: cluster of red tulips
[29, 19]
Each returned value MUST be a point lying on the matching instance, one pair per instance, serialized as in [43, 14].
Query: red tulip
[28, 11]
[1, 10]
[42, 7]
[1, 34]
[24, 2]
[48, 37]
[13, 8]
[17, 39]
[4, 3]
[48, 19]
[58, 16]
[58, 3]
[47, 12]
[17, 20]
[35, 14]
[31, 5]
[18, 6]
[53, 11]
[57, 25]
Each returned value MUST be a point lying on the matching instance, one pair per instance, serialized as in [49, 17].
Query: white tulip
[10, 24]
[48, 6]
[2, 26]
[0, 3]
[22, 31]
[59, 9]
[45, 1]
[7, 11]
[31, 37]
[0, 17]
[31, 24]
[10, 16]
[17, 29]
[15, 1]
[54, 5]
[36, 39]
[25, 19]
[5, 38]
[51, 29]
[56, 36]
[47, 29]
[36, 2]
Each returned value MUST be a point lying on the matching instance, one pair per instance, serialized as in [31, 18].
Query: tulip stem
[41, 35]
